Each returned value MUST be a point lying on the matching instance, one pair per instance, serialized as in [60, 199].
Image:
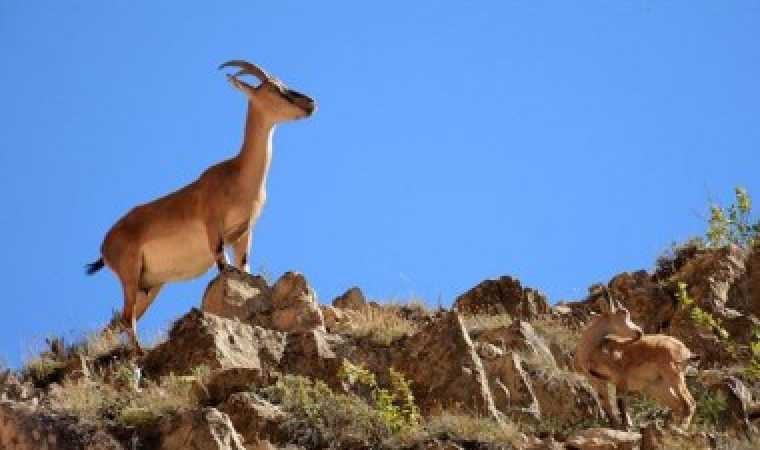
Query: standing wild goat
[614, 350]
[181, 235]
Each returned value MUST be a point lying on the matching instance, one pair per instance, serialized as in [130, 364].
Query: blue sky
[560, 142]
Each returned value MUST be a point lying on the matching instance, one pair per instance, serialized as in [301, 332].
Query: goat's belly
[180, 256]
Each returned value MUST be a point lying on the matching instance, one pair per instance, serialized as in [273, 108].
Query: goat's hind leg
[129, 273]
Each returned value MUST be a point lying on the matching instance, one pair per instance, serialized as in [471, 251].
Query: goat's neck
[256, 152]
[589, 342]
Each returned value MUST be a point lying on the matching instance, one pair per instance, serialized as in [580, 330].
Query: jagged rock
[205, 339]
[338, 320]
[655, 437]
[567, 398]
[294, 305]
[511, 387]
[235, 294]
[527, 379]
[254, 418]
[222, 383]
[503, 296]
[445, 370]
[290, 305]
[519, 336]
[352, 299]
[603, 439]
[207, 429]
[312, 355]
[651, 306]
[25, 428]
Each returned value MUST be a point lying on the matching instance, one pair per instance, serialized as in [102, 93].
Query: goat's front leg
[242, 250]
[216, 245]
[624, 417]
[602, 388]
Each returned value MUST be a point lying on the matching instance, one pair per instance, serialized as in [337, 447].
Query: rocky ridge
[263, 367]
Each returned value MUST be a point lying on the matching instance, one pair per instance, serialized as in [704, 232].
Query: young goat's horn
[247, 68]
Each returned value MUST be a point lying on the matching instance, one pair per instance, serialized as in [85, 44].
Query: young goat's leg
[602, 389]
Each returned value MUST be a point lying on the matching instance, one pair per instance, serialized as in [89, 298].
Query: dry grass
[382, 324]
[458, 427]
[484, 322]
[118, 397]
[560, 339]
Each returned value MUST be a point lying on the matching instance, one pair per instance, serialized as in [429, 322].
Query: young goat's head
[617, 324]
[271, 97]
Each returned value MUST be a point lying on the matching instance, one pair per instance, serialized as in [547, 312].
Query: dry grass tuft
[120, 399]
[484, 322]
[458, 427]
[382, 324]
[560, 339]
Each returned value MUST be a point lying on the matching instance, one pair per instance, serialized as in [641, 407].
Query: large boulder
[235, 294]
[504, 295]
[289, 305]
[200, 339]
[207, 429]
[294, 305]
[445, 369]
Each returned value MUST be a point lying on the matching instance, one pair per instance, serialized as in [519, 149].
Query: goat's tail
[93, 267]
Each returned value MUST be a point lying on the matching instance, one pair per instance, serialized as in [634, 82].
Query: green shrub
[733, 224]
[320, 417]
[712, 408]
[699, 315]
[752, 370]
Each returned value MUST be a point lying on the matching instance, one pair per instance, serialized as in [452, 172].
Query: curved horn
[247, 68]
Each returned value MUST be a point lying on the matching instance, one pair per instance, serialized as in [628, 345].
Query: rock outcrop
[445, 370]
[290, 305]
[504, 295]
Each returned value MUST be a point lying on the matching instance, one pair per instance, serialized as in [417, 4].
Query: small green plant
[395, 405]
[712, 407]
[752, 370]
[321, 418]
[699, 315]
[733, 224]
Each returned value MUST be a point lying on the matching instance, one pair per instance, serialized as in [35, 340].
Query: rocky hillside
[265, 366]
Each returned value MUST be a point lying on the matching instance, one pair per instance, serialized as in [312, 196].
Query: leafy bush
[320, 417]
[733, 225]
[752, 370]
[699, 315]
[395, 405]
[712, 407]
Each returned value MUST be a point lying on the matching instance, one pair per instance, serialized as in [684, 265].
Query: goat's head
[618, 324]
[271, 96]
